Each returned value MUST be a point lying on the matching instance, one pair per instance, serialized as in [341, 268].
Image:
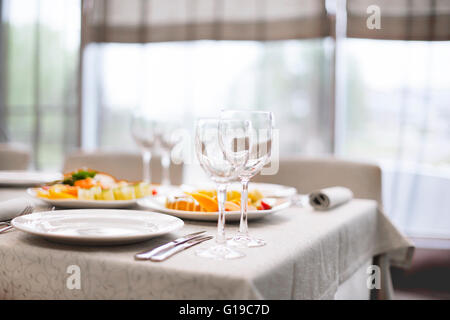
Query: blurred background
[72, 71]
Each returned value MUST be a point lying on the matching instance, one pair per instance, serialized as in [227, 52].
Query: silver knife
[4, 229]
[161, 256]
[145, 255]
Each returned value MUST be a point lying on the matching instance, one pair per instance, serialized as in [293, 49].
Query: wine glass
[144, 132]
[210, 138]
[170, 136]
[259, 155]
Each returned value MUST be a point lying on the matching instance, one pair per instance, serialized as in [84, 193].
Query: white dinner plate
[158, 204]
[84, 204]
[27, 178]
[97, 226]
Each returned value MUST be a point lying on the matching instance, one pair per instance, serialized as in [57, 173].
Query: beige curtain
[400, 19]
[139, 21]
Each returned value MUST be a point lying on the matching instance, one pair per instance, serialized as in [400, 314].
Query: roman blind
[400, 19]
[141, 21]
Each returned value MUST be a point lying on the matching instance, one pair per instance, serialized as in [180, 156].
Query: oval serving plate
[84, 204]
[158, 204]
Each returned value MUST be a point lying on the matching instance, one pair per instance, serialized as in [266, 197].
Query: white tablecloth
[308, 254]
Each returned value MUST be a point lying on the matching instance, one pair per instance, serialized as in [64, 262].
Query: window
[396, 111]
[291, 78]
[40, 105]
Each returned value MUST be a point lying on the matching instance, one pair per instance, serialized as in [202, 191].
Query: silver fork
[27, 210]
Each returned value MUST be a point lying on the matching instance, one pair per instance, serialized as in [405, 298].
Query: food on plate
[206, 201]
[88, 184]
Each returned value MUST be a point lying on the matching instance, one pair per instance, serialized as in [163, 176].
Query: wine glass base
[245, 241]
[219, 252]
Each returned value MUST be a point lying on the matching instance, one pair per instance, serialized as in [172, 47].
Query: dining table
[309, 254]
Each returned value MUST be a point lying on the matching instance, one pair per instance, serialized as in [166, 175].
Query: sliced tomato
[265, 206]
[154, 192]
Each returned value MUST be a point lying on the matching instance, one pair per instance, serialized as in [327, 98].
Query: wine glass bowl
[144, 132]
[210, 153]
[169, 135]
[155, 134]
[235, 142]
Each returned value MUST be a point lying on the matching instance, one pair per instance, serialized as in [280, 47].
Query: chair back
[309, 174]
[14, 157]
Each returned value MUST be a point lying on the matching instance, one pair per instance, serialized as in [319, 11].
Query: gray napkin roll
[12, 208]
[328, 198]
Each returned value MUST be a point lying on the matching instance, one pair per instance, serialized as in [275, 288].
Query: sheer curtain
[38, 78]
[142, 21]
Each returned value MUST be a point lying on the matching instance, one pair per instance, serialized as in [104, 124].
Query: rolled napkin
[328, 198]
[12, 208]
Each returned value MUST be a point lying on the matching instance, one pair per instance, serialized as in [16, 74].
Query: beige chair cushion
[121, 165]
[309, 174]
[14, 157]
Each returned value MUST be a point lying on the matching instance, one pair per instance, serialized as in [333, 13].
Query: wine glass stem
[243, 225]
[165, 163]
[221, 197]
[146, 158]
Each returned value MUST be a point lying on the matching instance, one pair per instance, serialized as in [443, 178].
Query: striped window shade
[425, 20]
[141, 21]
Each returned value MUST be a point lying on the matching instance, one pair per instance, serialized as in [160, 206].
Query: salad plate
[97, 226]
[87, 188]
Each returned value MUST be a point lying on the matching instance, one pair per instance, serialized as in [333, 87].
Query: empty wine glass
[259, 155]
[170, 136]
[210, 138]
[143, 130]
